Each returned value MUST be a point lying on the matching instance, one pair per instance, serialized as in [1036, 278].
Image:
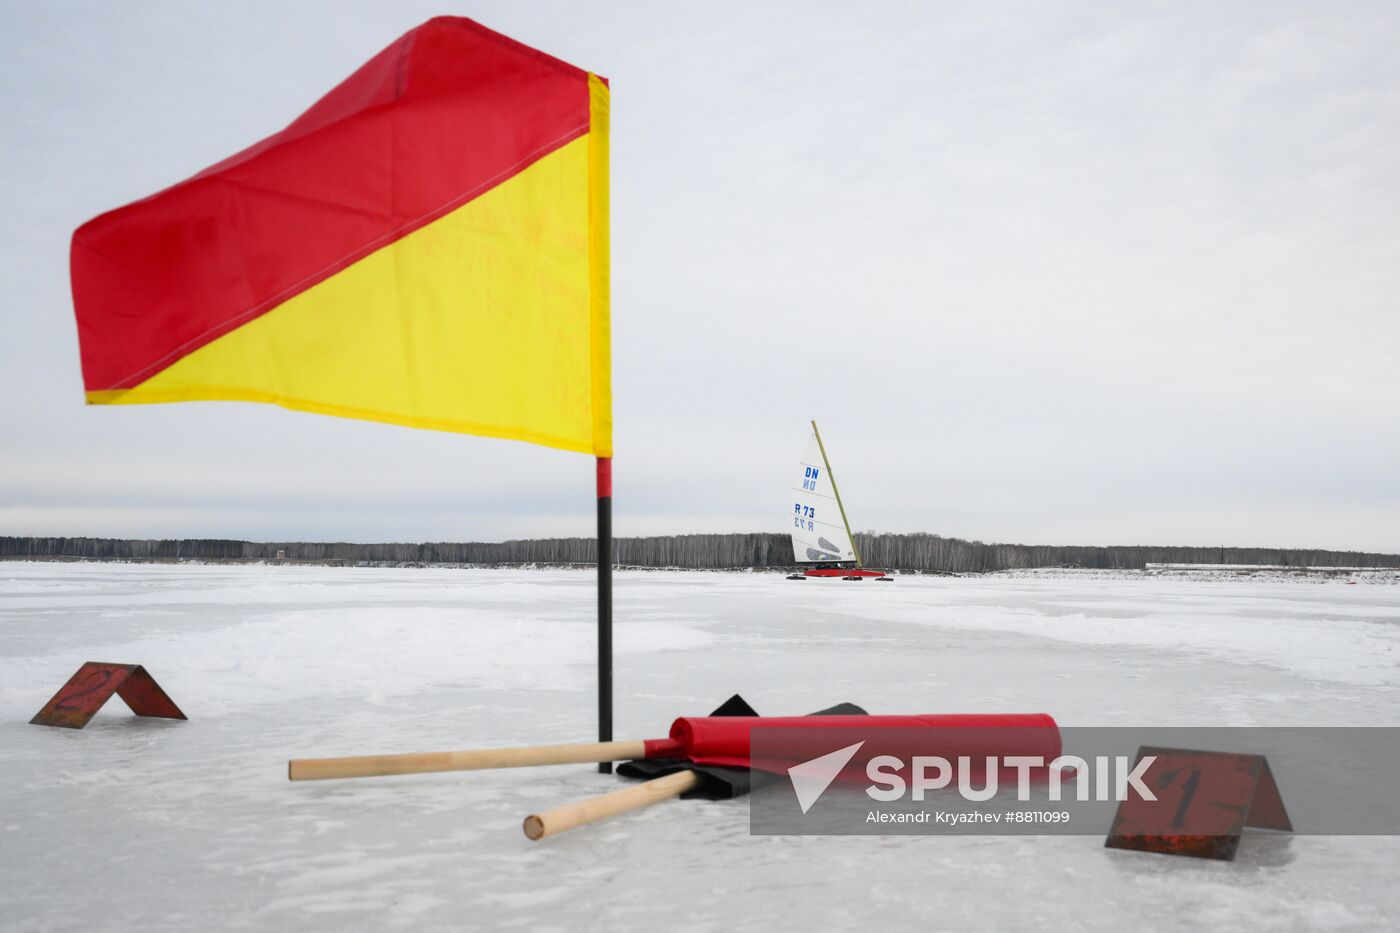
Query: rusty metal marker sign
[1203, 801]
[93, 685]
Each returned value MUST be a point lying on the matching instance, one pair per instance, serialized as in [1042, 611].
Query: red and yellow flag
[427, 246]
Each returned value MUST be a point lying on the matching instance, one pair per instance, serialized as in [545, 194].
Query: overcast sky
[1051, 273]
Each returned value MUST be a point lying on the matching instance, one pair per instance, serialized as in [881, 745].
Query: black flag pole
[605, 561]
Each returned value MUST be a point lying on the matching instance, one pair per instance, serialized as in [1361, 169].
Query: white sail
[818, 529]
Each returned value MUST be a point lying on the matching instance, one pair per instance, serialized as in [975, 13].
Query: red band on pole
[604, 477]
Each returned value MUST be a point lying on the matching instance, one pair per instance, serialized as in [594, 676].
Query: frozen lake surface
[154, 825]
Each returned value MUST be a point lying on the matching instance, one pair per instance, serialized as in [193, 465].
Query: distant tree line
[932, 552]
[707, 552]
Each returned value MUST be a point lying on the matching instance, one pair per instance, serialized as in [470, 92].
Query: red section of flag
[442, 115]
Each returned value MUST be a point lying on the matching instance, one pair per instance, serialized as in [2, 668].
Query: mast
[834, 488]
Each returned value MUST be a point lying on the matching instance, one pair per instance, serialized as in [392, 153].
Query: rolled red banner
[725, 740]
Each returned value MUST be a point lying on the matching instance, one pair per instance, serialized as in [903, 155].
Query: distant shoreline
[902, 553]
[1383, 576]
[1185, 572]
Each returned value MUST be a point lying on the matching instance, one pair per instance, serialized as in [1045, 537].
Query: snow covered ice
[158, 825]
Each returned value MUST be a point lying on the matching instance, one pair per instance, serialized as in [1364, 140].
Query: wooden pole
[605, 562]
[318, 769]
[583, 812]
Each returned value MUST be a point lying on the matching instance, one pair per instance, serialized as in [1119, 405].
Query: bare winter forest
[919, 552]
